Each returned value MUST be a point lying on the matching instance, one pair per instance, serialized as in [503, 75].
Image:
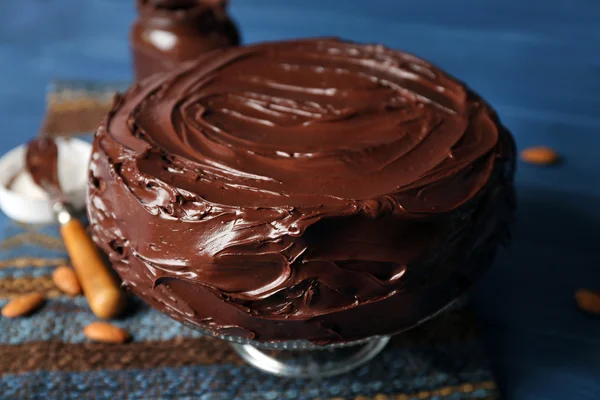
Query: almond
[66, 280]
[105, 333]
[539, 155]
[22, 305]
[588, 300]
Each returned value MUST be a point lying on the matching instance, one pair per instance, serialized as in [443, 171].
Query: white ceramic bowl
[25, 202]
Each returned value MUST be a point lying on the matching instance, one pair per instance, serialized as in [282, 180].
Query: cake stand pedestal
[304, 360]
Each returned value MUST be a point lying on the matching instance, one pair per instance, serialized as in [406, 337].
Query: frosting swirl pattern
[293, 190]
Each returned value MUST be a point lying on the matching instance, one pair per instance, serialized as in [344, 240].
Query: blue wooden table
[536, 61]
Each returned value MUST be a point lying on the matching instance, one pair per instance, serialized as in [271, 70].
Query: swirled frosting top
[319, 123]
[237, 154]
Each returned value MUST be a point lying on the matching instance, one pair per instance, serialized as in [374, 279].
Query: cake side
[313, 189]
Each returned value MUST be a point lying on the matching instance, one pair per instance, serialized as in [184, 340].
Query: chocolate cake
[314, 190]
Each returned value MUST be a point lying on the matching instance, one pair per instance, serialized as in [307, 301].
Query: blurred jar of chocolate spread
[168, 32]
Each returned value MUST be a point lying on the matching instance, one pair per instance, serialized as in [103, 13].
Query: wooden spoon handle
[103, 293]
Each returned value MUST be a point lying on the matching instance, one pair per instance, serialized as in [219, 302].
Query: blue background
[536, 61]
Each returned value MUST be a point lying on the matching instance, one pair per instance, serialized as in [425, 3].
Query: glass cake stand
[303, 359]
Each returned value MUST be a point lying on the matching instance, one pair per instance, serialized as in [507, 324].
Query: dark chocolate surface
[41, 162]
[313, 189]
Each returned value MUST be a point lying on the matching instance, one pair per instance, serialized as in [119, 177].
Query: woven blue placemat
[46, 356]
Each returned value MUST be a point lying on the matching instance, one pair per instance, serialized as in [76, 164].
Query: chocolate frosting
[41, 162]
[313, 189]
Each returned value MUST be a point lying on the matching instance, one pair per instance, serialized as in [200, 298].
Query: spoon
[103, 292]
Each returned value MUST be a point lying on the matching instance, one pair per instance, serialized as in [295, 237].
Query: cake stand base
[311, 362]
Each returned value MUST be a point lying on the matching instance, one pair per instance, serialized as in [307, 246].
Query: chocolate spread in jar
[169, 32]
